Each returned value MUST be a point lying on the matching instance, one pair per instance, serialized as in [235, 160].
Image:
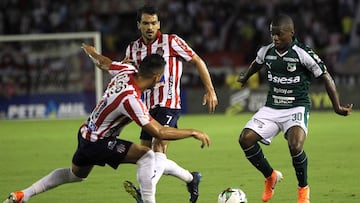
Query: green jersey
[289, 74]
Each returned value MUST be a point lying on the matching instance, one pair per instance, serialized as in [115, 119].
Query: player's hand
[242, 79]
[203, 137]
[127, 60]
[88, 49]
[99, 60]
[210, 98]
[344, 110]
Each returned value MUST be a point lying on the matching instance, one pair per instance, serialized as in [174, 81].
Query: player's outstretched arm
[99, 60]
[331, 90]
[169, 133]
[253, 68]
[210, 97]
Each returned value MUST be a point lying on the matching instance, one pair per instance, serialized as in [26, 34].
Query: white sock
[55, 178]
[160, 164]
[171, 168]
[145, 176]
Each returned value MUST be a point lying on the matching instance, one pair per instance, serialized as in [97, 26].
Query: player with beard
[164, 99]
[98, 142]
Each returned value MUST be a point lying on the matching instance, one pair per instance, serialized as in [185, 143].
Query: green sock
[300, 163]
[255, 155]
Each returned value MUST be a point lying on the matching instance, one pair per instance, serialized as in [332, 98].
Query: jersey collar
[295, 41]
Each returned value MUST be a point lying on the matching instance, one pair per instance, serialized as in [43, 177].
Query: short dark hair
[148, 9]
[282, 19]
[151, 65]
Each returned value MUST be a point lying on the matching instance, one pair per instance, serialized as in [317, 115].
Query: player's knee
[244, 139]
[146, 143]
[144, 150]
[240, 140]
[295, 148]
[75, 176]
[159, 146]
[148, 155]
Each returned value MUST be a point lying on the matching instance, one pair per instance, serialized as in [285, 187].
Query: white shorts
[268, 122]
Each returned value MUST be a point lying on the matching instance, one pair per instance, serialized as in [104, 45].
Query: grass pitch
[31, 149]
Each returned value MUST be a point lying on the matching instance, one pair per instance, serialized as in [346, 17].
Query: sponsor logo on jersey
[268, 65]
[111, 144]
[291, 67]
[121, 148]
[91, 126]
[283, 80]
[171, 83]
[283, 91]
[135, 46]
[271, 57]
[289, 59]
[283, 100]
[160, 51]
[99, 109]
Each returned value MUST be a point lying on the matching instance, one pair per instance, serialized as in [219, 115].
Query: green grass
[31, 149]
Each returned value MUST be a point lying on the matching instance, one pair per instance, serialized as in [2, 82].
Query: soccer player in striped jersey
[290, 66]
[97, 137]
[164, 99]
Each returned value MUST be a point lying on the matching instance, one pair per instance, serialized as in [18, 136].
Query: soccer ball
[232, 195]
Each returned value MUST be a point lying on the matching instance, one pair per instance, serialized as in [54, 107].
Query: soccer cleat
[304, 194]
[15, 197]
[270, 183]
[193, 187]
[133, 191]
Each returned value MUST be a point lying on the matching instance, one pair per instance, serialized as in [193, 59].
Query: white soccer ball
[232, 195]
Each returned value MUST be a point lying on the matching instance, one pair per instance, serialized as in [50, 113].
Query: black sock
[255, 155]
[300, 163]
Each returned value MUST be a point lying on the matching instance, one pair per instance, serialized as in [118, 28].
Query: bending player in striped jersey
[97, 137]
[164, 99]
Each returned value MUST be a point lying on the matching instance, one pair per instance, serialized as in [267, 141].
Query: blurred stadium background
[43, 79]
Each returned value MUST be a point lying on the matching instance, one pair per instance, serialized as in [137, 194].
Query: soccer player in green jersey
[290, 66]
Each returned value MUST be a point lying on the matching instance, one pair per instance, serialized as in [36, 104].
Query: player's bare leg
[147, 143]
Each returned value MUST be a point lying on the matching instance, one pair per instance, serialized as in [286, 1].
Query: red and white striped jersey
[174, 50]
[120, 104]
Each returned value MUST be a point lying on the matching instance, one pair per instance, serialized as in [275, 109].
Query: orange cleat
[15, 197]
[270, 183]
[304, 194]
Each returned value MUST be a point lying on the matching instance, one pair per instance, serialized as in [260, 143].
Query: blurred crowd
[209, 26]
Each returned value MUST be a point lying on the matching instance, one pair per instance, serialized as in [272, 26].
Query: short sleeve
[118, 67]
[137, 111]
[260, 56]
[127, 52]
[311, 61]
[181, 48]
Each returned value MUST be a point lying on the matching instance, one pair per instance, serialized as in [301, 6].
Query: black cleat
[133, 191]
[193, 187]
